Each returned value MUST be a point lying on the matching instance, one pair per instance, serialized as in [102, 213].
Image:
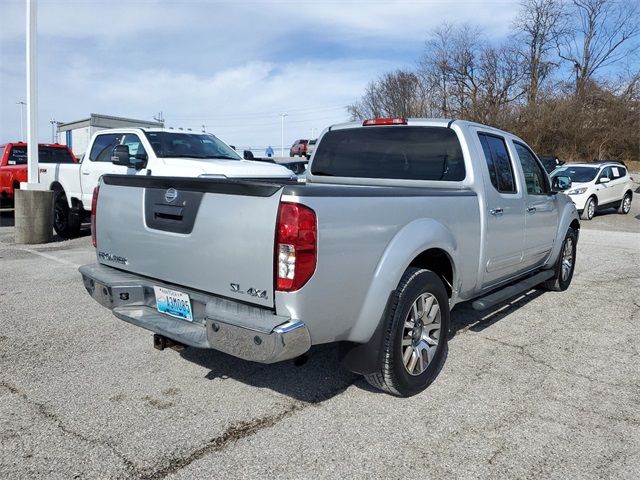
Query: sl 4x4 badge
[253, 292]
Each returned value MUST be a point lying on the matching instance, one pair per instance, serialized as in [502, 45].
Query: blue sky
[231, 65]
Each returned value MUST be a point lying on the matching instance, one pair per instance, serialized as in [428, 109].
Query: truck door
[98, 163]
[504, 214]
[541, 218]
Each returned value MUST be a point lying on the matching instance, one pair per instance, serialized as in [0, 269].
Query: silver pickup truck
[399, 221]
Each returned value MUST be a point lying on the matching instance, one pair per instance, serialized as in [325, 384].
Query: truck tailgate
[207, 234]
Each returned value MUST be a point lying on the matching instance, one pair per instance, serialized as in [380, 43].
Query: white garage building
[77, 134]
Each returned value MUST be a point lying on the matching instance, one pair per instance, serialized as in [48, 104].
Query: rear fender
[409, 242]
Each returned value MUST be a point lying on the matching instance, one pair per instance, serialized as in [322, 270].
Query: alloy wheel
[567, 259]
[420, 334]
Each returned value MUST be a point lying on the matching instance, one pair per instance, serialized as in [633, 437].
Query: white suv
[596, 186]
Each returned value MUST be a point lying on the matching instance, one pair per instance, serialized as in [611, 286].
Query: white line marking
[50, 257]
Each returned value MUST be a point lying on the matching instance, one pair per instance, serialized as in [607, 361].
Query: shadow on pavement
[314, 378]
[319, 375]
[464, 317]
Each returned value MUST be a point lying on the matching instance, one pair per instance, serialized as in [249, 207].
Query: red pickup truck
[13, 163]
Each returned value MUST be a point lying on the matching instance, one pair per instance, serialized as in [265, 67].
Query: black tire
[65, 223]
[393, 376]
[588, 213]
[561, 280]
[625, 204]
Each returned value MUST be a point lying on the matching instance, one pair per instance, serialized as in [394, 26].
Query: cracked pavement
[547, 385]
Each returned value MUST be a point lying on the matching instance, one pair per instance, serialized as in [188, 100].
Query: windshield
[577, 174]
[189, 145]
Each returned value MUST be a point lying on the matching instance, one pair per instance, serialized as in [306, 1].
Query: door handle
[86, 173]
[531, 210]
[496, 212]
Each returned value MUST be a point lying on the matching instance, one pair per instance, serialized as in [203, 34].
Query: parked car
[550, 162]
[311, 146]
[299, 147]
[597, 186]
[141, 151]
[13, 163]
[399, 221]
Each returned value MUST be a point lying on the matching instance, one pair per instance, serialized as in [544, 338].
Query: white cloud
[232, 65]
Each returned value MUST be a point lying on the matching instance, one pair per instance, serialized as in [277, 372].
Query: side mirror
[604, 180]
[248, 155]
[120, 155]
[560, 183]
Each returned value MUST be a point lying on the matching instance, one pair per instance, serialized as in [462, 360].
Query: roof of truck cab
[428, 122]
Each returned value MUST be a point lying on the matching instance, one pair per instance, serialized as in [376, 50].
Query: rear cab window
[403, 153]
[498, 162]
[18, 155]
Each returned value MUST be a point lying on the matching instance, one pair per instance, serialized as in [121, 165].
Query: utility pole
[282, 115]
[159, 118]
[204, 128]
[23, 105]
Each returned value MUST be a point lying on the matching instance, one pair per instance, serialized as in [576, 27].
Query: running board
[512, 290]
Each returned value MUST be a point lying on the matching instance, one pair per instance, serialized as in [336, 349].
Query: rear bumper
[247, 332]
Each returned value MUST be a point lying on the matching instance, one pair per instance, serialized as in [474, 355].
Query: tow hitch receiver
[160, 342]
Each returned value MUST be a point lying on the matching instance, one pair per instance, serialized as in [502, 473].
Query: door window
[136, 149]
[103, 145]
[498, 162]
[534, 177]
[606, 173]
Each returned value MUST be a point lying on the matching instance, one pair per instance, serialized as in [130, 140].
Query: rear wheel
[65, 223]
[565, 265]
[625, 205]
[589, 209]
[415, 339]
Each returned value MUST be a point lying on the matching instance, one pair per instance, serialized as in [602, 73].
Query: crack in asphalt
[42, 410]
[522, 350]
[235, 432]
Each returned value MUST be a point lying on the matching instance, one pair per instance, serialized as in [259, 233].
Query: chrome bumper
[247, 332]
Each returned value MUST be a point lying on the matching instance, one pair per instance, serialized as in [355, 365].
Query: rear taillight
[384, 121]
[94, 206]
[296, 246]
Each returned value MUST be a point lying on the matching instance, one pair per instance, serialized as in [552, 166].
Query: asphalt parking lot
[547, 386]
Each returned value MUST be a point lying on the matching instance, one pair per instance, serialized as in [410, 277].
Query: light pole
[22, 107]
[282, 144]
[54, 124]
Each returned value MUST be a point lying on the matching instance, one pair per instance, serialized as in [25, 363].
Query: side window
[534, 177]
[136, 149]
[101, 150]
[18, 156]
[606, 172]
[497, 157]
[618, 172]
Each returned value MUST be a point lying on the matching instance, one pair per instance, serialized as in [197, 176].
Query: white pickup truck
[399, 221]
[141, 151]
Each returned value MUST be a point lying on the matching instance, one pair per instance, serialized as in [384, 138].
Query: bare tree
[538, 25]
[604, 29]
[395, 94]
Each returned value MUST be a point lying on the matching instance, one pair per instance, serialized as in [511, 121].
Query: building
[77, 134]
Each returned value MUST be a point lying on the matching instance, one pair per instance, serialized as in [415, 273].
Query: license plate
[171, 302]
